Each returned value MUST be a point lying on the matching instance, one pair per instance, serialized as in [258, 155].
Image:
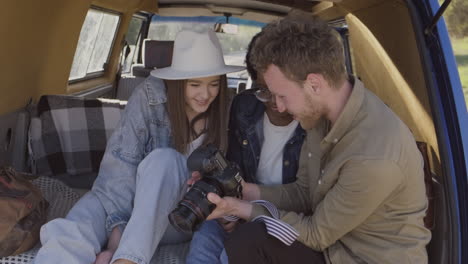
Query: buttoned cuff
[266, 212]
[274, 226]
[258, 210]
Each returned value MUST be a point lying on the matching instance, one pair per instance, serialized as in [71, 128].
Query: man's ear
[313, 83]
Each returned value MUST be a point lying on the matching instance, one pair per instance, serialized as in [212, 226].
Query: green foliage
[460, 48]
[457, 18]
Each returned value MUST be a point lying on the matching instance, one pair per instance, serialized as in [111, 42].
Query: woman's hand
[104, 257]
[196, 176]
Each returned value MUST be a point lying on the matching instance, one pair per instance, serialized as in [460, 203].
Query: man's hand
[196, 176]
[228, 226]
[229, 206]
[250, 191]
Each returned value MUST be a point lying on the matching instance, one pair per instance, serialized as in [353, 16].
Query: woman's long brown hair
[216, 116]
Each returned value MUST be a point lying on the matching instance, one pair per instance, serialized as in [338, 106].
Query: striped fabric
[275, 227]
[68, 134]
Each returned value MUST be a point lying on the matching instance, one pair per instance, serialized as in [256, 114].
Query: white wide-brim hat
[196, 55]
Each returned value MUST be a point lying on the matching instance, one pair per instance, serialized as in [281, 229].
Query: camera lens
[183, 219]
[193, 209]
[218, 176]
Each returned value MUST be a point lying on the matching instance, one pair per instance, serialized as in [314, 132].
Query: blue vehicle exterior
[451, 121]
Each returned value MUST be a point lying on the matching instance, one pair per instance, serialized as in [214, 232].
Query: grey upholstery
[61, 198]
[171, 254]
[138, 70]
[13, 139]
[156, 54]
[127, 85]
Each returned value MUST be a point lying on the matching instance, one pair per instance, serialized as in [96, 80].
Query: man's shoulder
[377, 133]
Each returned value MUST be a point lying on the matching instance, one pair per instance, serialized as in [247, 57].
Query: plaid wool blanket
[68, 136]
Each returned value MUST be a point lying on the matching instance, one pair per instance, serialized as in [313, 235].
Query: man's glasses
[263, 94]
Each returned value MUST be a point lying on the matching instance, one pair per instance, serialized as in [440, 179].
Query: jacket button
[245, 142]
[286, 163]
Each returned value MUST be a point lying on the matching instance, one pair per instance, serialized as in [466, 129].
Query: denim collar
[156, 91]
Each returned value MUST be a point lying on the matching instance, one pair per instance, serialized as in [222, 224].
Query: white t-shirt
[194, 144]
[270, 167]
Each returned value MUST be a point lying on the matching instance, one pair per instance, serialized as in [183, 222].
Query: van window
[457, 25]
[342, 28]
[234, 45]
[94, 45]
[132, 42]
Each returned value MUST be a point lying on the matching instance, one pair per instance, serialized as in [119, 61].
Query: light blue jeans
[78, 238]
[207, 244]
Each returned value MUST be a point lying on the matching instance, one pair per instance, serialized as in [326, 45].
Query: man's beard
[311, 116]
[310, 122]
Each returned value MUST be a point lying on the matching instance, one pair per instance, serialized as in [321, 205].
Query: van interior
[61, 54]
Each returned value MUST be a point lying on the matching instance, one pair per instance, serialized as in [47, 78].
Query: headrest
[157, 53]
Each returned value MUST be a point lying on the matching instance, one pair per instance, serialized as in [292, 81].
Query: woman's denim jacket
[246, 138]
[144, 126]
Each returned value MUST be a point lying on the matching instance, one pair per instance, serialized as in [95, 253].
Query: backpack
[23, 211]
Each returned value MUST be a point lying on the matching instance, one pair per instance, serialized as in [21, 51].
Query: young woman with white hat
[143, 173]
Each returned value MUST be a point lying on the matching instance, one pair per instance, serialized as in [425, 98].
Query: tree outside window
[456, 18]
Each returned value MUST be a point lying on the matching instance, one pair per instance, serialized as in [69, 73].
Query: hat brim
[169, 73]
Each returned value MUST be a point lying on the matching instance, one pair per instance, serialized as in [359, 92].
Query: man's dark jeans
[250, 243]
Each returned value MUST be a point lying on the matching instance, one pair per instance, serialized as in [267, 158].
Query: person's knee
[64, 230]
[51, 229]
[159, 159]
[246, 244]
[207, 243]
[209, 231]
[210, 227]
[249, 235]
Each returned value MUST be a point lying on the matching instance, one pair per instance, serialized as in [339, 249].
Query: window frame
[142, 34]
[94, 75]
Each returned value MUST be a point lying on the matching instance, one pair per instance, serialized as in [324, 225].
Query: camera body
[218, 176]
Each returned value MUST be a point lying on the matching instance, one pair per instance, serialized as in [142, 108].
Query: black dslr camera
[218, 176]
